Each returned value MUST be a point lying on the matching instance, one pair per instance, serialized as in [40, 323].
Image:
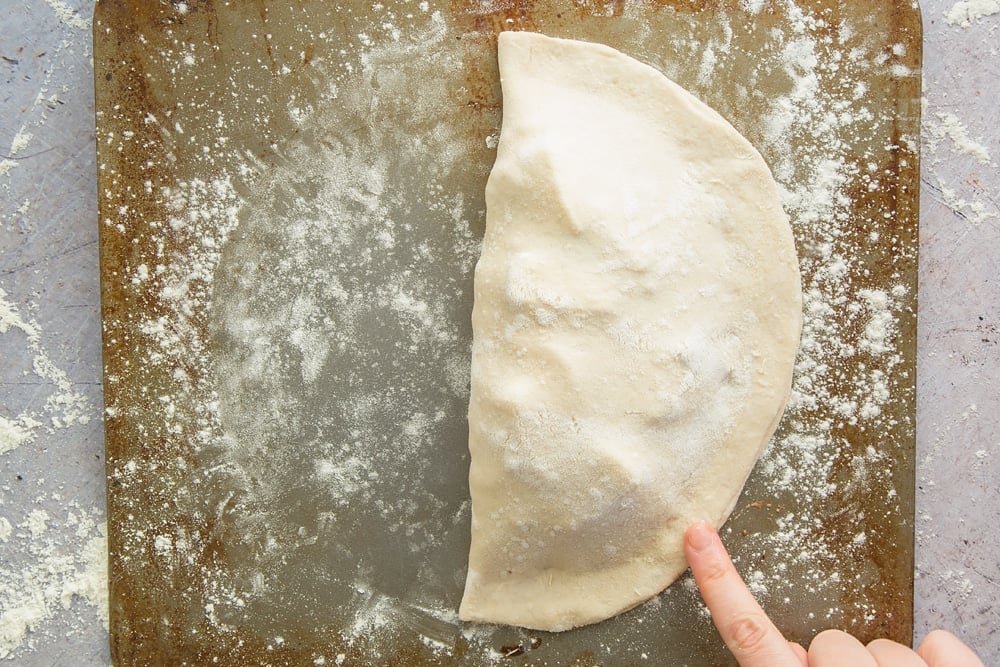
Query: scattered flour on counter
[56, 552]
[63, 404]
[950, 127]
[53, 549]
[65, 560]
[49, 92]
[68, 15]
[958, 582]
[964, 198]
[964, 12]
[20, 141]
[14, 433]
[10, 319]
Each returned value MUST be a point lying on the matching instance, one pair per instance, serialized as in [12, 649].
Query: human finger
[890, 654]
[743, 625]
[800, 653]
[943, 649]
[835, 648]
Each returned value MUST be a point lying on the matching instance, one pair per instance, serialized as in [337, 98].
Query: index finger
[746, 629]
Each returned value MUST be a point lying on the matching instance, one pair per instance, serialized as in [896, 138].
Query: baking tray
[291, 204]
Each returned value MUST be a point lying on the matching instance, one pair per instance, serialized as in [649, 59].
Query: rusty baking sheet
[291, 202]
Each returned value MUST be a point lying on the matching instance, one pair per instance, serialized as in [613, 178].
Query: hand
[756, 642]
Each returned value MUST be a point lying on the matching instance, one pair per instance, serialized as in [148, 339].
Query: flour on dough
[637, 315]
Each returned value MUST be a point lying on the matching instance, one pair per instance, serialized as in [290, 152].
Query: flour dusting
[297, 380]
[948, 126]
[56, 553]
[847, 381]
[64, 566]
[943, 130]
[964, 12]
[63, 404]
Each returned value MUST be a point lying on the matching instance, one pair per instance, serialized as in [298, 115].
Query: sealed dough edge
[636, 319]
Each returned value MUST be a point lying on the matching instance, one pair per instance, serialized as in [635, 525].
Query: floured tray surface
[291, 207]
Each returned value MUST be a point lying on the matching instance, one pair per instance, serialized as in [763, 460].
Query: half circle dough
[637, 316]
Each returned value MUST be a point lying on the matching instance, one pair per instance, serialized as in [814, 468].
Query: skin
[756, 642]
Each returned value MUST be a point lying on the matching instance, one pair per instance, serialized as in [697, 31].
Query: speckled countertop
[52, 580]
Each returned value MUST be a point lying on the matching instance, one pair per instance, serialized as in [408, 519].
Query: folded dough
[637, 315]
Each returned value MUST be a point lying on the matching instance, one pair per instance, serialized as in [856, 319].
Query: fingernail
[701, 536]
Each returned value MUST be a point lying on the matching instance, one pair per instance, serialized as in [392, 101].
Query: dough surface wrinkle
[636, 319]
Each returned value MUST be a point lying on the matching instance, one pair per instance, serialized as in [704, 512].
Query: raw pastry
[637, 315]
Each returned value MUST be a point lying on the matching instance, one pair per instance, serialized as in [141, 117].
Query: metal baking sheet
[291, 202]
